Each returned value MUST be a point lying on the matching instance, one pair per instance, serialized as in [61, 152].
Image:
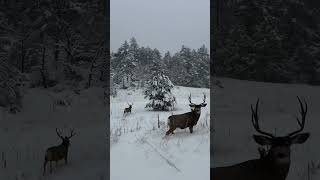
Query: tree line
[188, 67]
[45, 43]
[272, 41]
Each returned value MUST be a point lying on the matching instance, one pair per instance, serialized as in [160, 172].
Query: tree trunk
[22, 56]
[44, 81]
[93, 62]
[56, 54]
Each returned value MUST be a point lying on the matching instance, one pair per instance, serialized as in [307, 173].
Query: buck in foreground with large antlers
[273, 164]
[188, 119]
[59, 152]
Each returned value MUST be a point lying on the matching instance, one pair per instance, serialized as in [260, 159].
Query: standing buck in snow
[128, 109]
[188, 119]
[59, 152]
[273, 164]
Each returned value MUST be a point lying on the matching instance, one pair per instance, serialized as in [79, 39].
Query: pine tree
[159, 92]
[124, 63]
[133, 45]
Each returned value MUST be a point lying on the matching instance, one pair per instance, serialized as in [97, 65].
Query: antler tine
[204, 98]
[303, 112]
[255, 120]
[190, 99]
[58, 133]
[71, 133]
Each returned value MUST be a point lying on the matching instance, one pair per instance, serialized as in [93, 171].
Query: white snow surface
[24, 137]
[278, 109]
[139, 149]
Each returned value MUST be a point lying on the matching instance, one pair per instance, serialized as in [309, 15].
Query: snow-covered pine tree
[159, 92]
[11, 82]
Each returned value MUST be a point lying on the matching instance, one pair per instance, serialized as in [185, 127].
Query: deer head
[66, 139]
[130, 105]
[279, 152]
[197, 107]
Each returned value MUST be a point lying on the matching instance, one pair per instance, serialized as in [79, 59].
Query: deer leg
[191, 129]
[66, 159]
[44, 167]
[168, 132]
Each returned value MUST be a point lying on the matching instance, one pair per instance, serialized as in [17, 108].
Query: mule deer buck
[128, 109]
[188, 119]
[59, 152]
[273, 163]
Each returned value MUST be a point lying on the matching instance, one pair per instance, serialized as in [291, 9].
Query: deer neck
[279, 170]
[195, 114]
[64, 146]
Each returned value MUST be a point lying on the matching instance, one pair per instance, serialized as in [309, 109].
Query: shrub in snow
[159, 93]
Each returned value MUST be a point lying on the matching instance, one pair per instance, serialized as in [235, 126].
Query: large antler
[255, 120]
[204, 98]
[303, 112]
[71, 133]
[191, 103]
[58, 133]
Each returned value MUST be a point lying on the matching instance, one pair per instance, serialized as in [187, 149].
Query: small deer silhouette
[128, 109]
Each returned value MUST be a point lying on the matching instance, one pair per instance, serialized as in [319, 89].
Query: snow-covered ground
[25, 136]
[233, 142]
[139, 149]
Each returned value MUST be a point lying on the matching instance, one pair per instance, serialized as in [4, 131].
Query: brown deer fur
[186, 120]
[59, 152]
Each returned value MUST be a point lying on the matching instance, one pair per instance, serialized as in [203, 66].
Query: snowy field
[278, 108]
[24, 137]
[139, 149]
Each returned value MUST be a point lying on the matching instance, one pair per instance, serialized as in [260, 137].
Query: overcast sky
[162, 24]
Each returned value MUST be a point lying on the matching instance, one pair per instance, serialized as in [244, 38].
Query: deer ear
[262, 140]
[299, 138]
[191, 105]
[203, 105]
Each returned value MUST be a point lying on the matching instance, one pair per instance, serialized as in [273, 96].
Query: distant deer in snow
[128, 109]
[273, 164]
